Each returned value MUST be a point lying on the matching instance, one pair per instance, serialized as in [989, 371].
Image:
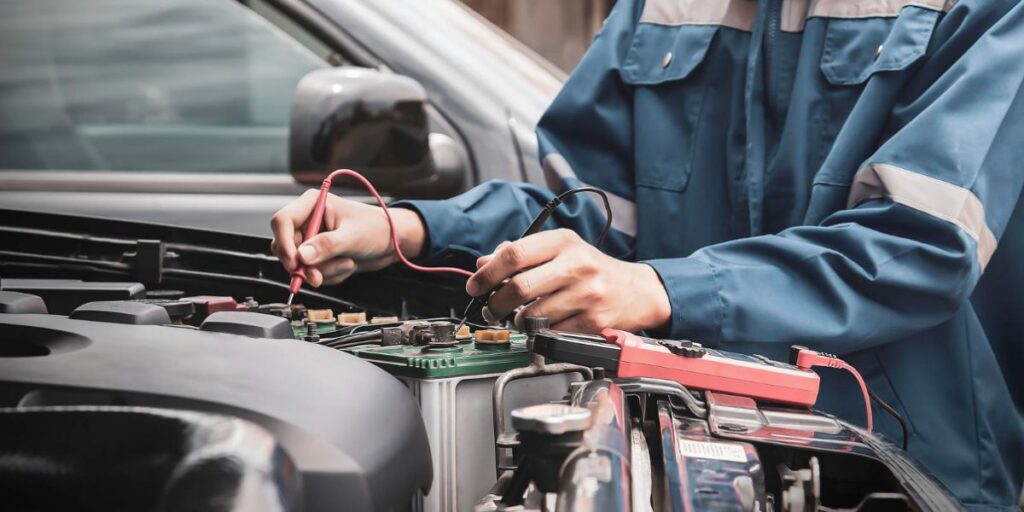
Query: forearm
[864, 277]
[496, 211]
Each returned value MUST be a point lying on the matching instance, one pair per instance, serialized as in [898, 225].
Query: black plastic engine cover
[354, 432]
[122, 312]
[245, 323]
[62, 296]
[17, 302]
[131, 458]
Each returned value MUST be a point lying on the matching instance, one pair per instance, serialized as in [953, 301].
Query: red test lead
[317, 217]
[805, 359]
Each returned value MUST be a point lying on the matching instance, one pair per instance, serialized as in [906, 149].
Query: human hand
[356, 238]
[577, 287]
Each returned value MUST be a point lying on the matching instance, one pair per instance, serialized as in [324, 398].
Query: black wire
[350, 338]
[889, 409]
[343, 346]
[604, 198]
[538, 222]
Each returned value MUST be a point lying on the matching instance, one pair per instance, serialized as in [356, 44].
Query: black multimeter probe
[537, 224]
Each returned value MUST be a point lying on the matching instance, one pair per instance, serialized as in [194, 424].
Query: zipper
[774, 21]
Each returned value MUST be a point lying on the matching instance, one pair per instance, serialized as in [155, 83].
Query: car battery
[453, 386]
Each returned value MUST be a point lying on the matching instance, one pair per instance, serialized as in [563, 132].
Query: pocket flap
[661, 53]
[857, 48]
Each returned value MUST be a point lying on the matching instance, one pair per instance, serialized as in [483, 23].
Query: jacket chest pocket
[663, 67]
[857, 49]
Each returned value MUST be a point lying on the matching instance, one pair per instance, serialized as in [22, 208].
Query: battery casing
[458, 416]
[453, 387]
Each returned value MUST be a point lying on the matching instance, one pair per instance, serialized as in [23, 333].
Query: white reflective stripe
[738, 14]
[557, 168]
[871, 8]
[796, 12]
[929, 195]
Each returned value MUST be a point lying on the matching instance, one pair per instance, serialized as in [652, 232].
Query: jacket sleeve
[585, 138]
[923, 216]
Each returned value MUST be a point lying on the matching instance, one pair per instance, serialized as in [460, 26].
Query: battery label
[717, 451]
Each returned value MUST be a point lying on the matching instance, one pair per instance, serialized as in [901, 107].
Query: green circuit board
[466, 358]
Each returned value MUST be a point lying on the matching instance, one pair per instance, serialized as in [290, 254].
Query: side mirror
[375, 123]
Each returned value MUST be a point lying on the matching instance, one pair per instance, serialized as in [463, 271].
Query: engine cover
[353, 431]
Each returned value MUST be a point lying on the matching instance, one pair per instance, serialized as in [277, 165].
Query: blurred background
[559, 30]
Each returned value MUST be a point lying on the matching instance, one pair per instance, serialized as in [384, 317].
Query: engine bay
[164, 360]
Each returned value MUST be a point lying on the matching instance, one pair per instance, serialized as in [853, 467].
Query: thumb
[482, 260]
[321, 247]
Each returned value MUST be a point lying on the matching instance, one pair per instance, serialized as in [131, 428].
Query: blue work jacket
[841, 174]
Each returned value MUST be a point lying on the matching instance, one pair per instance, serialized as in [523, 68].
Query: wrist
[656, 308]
[412, 233]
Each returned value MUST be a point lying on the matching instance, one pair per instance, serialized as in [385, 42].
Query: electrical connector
[805, 359]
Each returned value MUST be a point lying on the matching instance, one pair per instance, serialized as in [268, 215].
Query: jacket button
[878, 51]
[667, 60]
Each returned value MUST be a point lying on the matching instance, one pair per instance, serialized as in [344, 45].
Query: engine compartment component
[17, 302]
[122, 312]
[244, 323]
[789, 460]
[276, 384]
[62, 296]
[143, 459]
[451, 379]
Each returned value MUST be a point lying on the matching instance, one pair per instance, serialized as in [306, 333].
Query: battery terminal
[493, 336]
[320, 315]
[349, 319]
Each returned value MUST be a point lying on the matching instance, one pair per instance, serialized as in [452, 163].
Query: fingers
[337, 270]
[322, 247]
[284, 223]
[314, 277]
[556, 308]
[482, 260]
[332, 271]
[518, 256]
[578, 323]
[529, 285]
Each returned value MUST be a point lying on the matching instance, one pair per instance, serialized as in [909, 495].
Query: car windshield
[145, 85]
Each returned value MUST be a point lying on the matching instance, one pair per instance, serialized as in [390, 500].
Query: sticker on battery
[728, 452]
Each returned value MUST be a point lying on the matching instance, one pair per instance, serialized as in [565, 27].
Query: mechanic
[832, 173]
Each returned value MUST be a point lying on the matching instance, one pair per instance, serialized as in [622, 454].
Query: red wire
[391, 224]
[807, 358]
[863, 390]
